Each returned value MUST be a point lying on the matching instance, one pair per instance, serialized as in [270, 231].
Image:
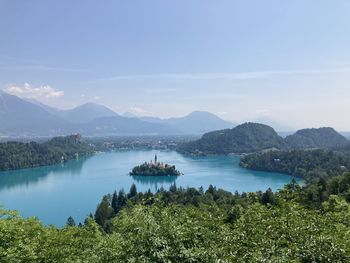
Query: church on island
[156, 163]
[155, 168]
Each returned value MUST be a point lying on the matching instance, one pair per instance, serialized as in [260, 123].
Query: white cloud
[139, 111]
[29, 92]
[97, 98]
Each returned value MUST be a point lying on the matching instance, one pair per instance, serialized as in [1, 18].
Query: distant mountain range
[254, 137]
[197, 122]
[21, 117]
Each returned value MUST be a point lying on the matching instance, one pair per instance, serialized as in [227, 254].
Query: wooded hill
[255, 137]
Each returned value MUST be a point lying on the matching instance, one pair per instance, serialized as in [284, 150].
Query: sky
[286, 61]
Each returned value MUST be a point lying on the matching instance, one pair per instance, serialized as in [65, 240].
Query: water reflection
[155, 182]
[31, 176]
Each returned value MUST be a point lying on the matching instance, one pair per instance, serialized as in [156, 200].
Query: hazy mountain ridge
[32, 118]
[123, 126]
[197, 122]
[18, 116]
[86, 113]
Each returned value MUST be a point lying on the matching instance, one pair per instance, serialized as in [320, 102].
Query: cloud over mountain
[30, 92]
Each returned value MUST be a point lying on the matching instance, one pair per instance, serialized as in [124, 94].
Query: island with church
[155, 168]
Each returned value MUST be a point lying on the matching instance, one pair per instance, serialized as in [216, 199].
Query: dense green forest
[308, 223]
[18, 155]
[308, 164]
[324, 138]
[255, 137]
[295, 224]
[245, 138]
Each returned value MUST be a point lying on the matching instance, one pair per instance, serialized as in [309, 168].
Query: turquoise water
[54, 193]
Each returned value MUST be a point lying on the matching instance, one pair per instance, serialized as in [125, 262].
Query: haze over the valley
[275, 63]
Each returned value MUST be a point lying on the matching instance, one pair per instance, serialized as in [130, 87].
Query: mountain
[118, 125]
[129, 115]
[325, 138]
[20, 117]
[245, 138]
[45, 107]
[81, 114]
[197, 122]
[153, 119]
[86, 113]
[346, 134]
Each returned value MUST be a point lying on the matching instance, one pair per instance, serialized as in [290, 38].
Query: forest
[19, 155]
[295, 224]
[307, 164]
[306, 222]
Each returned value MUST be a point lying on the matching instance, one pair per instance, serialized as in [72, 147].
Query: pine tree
[173, 188]
[268, 197]
[70, 221]
[133, 191]
[118, 201]
[211, 190]
[114, 201]
[104, 212]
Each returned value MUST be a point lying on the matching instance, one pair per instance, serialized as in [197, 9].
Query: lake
[54, 193]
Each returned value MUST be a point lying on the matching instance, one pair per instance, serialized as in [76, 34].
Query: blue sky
[288, 61]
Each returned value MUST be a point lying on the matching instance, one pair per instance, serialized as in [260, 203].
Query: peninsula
[155, 168]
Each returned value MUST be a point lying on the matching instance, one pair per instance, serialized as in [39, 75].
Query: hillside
[245, 138]
[325, 138]
[295, 224]
[109, 126]
[31, 118]
[86, 113]
[17, 155]
[197, 122]
[308, 164]
[20, 117]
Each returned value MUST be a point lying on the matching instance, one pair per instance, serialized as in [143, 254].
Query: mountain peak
[201, 114]
[87, 112]
[91, 105]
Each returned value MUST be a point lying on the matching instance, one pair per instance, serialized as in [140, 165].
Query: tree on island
[155, 168]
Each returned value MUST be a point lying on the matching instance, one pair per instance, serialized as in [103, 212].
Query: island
[155, 168]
